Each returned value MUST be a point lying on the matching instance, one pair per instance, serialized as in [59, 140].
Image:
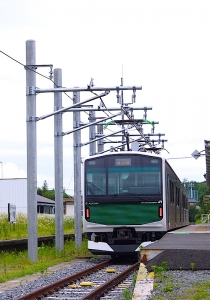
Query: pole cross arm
[72, 106]
[90, 124]
[87, 89]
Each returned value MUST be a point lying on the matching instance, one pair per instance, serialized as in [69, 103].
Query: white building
[13, 191]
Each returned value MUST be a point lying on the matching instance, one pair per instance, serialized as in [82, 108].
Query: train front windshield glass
[123, 175]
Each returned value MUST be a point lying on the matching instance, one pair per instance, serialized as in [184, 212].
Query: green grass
[45, 226]
[17, 264]
[164, 283]
[196, 291]
[127, 295]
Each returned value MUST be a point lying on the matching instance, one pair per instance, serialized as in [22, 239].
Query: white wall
[70, 209]
[13, 191]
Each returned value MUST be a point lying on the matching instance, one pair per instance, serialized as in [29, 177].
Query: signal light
[87, 213]
[160, 211]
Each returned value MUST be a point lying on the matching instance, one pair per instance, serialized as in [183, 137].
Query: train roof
[123, 153]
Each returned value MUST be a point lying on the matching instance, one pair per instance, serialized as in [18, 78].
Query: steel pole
[58, 163]
[100, 143]
[92, 133]
[77, 175]
[31, 151]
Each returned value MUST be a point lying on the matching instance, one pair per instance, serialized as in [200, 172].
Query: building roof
[42, 199]
[192, 200]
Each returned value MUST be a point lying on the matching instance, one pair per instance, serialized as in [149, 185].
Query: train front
[123, 201]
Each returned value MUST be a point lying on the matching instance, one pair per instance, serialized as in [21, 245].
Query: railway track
[97, 282]
[22, 244]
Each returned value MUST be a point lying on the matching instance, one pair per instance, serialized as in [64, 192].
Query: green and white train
[129, 198]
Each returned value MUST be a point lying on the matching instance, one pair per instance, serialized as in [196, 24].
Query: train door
[177, 206]
[168, 201]
[172, 214]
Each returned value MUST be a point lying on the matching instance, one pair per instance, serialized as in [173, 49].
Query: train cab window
[123, 175]
[95, 184]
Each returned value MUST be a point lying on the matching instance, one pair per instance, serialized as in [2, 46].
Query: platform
[186, 248]
[181, 249]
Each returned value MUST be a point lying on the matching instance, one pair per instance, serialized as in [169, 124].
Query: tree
[50, 194]
[45, 186]
[192, 213]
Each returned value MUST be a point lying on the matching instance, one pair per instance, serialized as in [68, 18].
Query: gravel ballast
[182, 285]
[22, 290]
[173, 284]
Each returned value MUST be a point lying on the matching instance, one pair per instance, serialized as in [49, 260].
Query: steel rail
[51, 288]
[101, 290]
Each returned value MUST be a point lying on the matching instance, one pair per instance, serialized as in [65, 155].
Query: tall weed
[45, 226]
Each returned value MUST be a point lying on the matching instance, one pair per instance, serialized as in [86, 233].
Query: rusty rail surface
[51, 288]
[101, 290]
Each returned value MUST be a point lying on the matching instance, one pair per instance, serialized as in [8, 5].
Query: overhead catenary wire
[12, 58]
[26, 67]
[15, 60]
[122, 108]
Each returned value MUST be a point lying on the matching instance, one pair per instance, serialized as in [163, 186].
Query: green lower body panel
[124, 214]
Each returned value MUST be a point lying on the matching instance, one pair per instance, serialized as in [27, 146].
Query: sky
[161, 45]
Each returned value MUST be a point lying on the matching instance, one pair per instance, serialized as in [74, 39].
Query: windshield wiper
[89, 184]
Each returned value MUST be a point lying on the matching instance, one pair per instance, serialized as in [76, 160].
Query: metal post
[123, 126]
[31, 150]
[77, 175]
[58, 158]
[92, 133]
[100, 143]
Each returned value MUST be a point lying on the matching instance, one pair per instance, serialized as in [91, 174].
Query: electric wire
[36, 73]
[180, 157]
[32, 70]
[135, 125]
[15, 60]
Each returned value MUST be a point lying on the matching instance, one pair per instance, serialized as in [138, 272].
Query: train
[130, 197]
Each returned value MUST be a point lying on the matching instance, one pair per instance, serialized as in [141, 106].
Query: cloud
[11, 170]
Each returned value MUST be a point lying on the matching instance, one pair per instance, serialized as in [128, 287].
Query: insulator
[145, 115]
[119, 99]
[134, 96]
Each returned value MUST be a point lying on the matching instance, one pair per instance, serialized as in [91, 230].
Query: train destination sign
[123, 162]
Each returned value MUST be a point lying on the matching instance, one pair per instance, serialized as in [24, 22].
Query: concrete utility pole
[99, 138]
[58, 158]
[92, 133]
[77, 174]
[31, 150]
[100, 143]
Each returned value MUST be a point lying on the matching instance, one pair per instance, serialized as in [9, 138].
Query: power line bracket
[30, 90]
[58, 134]
[31, 119]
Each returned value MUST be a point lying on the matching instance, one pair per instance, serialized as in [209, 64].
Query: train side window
[186, 204]
[171, 192]
[168, 188]
[177, 196]
[183, 201]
